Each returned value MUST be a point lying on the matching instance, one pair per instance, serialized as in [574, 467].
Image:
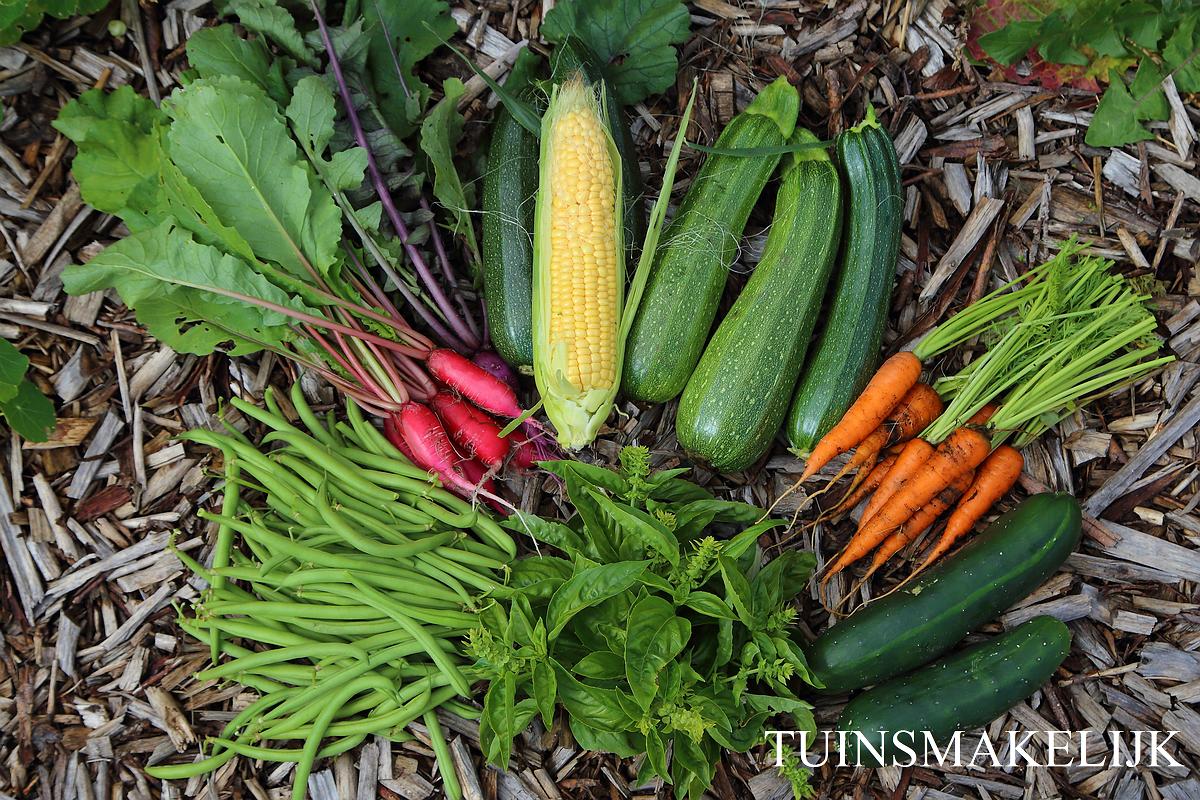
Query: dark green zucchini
[690, 270]
[510, 182]
[736, 399]
[845, 357]
[927, 616]
[960, 693]
[574, 55]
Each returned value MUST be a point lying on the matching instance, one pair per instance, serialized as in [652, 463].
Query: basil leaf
[546, 531]
[601, 665]
[590, 474]
[540, 577]
[699, 514]
[589, 587]
[545, 690]
[780, 580]
[499, 708]
[675, 490]
[600, 707]
[737, 591]
[709, 605]
[654, 637]
[742, 542]
[656, 753]
[625, 744]
[634, 523]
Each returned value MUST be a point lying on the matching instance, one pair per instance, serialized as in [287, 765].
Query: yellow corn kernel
[579, 265]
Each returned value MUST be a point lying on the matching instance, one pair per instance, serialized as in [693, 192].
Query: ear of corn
[579, 274]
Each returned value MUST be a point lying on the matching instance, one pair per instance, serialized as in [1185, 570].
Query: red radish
[524, 451]
[474, 383]
[477, 474]
[391, 430]
[476, 435]
[431, 447]
[491, 362]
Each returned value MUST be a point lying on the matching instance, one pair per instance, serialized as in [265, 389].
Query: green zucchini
[736, 399]
[960, 693]
[845, 356]
[574, 56]
[510, 183]
[930, 614]
[690, 269]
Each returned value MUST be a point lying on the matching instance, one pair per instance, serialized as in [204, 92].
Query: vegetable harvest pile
[303, 194]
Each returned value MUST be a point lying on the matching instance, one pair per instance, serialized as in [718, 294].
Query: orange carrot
[915, 453]
[981, 416]
[965, 449]
[919, 407]
[868, 484]
[997, 475]
[921, 521]
[884, 392]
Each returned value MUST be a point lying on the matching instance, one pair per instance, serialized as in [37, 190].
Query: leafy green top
[652, 634]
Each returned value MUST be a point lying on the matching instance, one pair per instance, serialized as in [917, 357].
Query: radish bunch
[456, 435]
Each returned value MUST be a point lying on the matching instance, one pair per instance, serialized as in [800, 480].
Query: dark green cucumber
[510, 183]
[930, 614]
[960, 693]
[736, 399]
[846, 355]
[689, 272]
[573, 55]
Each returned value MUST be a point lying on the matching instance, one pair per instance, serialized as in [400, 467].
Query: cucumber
[736, 399]
[690, 269]
[927, 616]
[571, 56]
[846, 355]
[510, 184]
[960, 693]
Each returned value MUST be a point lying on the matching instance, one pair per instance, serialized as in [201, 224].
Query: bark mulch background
[95, 679]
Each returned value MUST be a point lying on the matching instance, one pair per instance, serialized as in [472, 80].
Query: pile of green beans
[341, 596]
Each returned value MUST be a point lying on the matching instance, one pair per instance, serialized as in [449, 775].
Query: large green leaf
[175, 285]
[401, 35]
[654, 637]
[632, 38]
[220, 51]
[29, 412]
[119, 160]
[1115, 122]
[274, 22]
[13, 364]
[231, 143]
[311, 112]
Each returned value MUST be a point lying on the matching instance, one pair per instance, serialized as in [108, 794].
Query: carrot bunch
[1067, 332]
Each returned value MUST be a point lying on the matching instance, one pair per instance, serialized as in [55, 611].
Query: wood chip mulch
[95, 678]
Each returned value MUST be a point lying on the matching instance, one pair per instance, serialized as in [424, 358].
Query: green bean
[391, 531]
[383, 603]
[441, 752]
[397, 717]
[313, 743]
[398, 470]
[470, 558]
[305, 412]
[303, 553]
[328, 577]
[377, 691]
[224, 544]
[373, 548]
[332, 681]
[449, 581]
[268, 657]
[271, 416]
[461, 709]
[255, 631]
[318, 453]
[467, 576]
[488, 530]
[334, 748]
[275, 609]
